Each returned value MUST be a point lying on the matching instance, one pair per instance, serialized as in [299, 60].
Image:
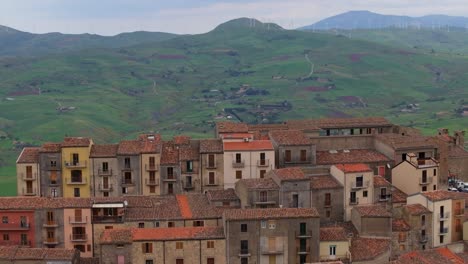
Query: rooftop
[231, 127]
[19, 253]
[129, 147]
[169, 154]
[440, 195]
[264, 183]
[324, 182]
[400, 225]
[397, 141]
[248, 146]
[398, 196]
[333, 233]
[211, 146]
[222, 195]
[29, 155]
[290, 174]
[457, 152]
[50, 147]
[380, 181]
[289, 138]
[324, 123]
[372, 211]
[417, 209]
[350, 156]
[76, 142]
[368, 248]
[181, 140]
[440, 255]
[150, 143]
[267, 127]
[270, 213]
[189, 152]
[103, 151]
[353, 168]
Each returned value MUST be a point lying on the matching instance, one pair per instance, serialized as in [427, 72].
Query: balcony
[276, 250]
[443, 231]
[303, 250]
[78, 220]
[77, 181]
[29, 176]
[459, 212]
[102, 172]
[354, 201]
[25, 243]
[14, 227]
[423, 239]
[238, 164]
[170, 178]
[244, 253]
[151, 167]
[51, 224]
[428, 162]
[127, 182]
[51, 241]
[359, 184]
[211, 165]
[384, 198]
[107, 219]
[76, 164]
[263, 163]
[152, 182]
[264, 202]
[127, 167]
[52, 168]
[426, 181]
[29, 192]
[304, 234]
[78, 237]
[188, 185]
[106, 187]
[444, 216]
[54, 183]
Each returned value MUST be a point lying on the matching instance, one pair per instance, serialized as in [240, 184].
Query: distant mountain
[17, 43]
[369, 20]
[243, 23]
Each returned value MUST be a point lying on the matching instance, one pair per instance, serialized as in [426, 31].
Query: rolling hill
[243, 69]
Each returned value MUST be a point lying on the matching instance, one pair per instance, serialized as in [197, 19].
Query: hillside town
[340, 190]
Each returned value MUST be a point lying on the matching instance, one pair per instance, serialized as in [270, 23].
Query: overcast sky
[109, 17]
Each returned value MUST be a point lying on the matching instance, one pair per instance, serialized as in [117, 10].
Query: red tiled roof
[129, 147]
[211, 146]
[290, 174]
[270, 213]
[372, 211]
[76, 142]
[169, 154]
[248, 146]
[181, 140]
[116, 236]
[103, 151]
[368, 248]
[324, 182]
[398, 196]
[231, 127]
[50, 147]
[201, 208]
[380, 181]
[265, 183]
[457, 152]
[355, 122]
[267, 127]
[18, 253]
[400, 225]
[440, 195]
[353, 156]
[184, 206]
[222, 195]
[352, 168]
[333, 233]
[440, 255]
[189, 152]
[397, 141]
[29, 155]
[150, 143]
[177, 233]
[416, 209]
[290, 138]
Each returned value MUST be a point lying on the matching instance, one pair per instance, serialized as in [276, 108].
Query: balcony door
[262, 159]
[29, 172]
[75, 159]
[211, 160]
[170, 188]
[105, 182]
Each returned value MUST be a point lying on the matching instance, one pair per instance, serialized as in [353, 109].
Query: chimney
[443, 131]
[459, 138]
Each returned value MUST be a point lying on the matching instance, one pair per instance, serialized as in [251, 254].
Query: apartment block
[419, 218]
[295, 187]
[334, 244]
[150, 163]
[105, 170]
[76, 167]
[189, 157]
[211, 164]
[50, 176]
[17, 227]
[327, 198]
[129, 167]
[415, 174]
[171, 182]
[28, 171]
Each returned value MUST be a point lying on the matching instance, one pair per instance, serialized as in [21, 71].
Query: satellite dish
[125, 203]
[388, 165]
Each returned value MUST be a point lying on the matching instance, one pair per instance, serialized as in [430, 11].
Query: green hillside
[256, 74]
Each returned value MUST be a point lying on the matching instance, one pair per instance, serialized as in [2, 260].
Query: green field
[179, 86]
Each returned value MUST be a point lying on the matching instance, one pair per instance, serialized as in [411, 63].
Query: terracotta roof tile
[416, 209]
[372, 211]
[184, 206]
[150, 143]
[248, 146]
[457, 151]
[76, 142]
[333, 233]
[8, 252]
[169, 154]
[380, 181]
[353, 156]
[440, 195]
[103, 151]
[267, 127]
[270, 213]
[290, 138]
[265, 184]
[324, 182]
[129, 147]
[353, 168]
[231, 127]
[201, 208]
[398, 196]
[116, 236]
[222, 195]
[211, 146]
[177, 233]
[290, 174]
[400, 225]
[368, 248]
[355, 122]
[189, 152]
[50, 147]
[398, 141]
[29, 155]
[440, 255]
[181, 140]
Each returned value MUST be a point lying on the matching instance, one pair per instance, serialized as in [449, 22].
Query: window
[435, 172]
[226, 203]
[141, 225]
[179, 245]
[105, 167]
[124, 190]
[76, 192]
[211, 160]
[243, 227]
[211, 178]
[78, 216]
[170, 224]
[271, 224]
[5, 219]
[127, 164]
[53, 163]
[353, 199]
[423, 247]
[402, 247]
[198, 223]
[295, 201]
[424, 176]
[303, 155]
[401, 237]
[76, 176]
[152, 189]
[332, 250]
[152, 162]
[24, 239]
[170, 188]
[188, 181]
[359, 181]
[238, 158]
[156, 224]
[147, 248]
[263, 224]
[383, 193]
[458, 226]
[75, 158]
[263, 196]
[170, 172]
[210, 244]
[189, 165]
[262, 159]
[53, 192]
[108, 227]
[53, 177]
[441, 239]
[423, 220]
[364, 194]
[328, 199]
[244, 245]
[403, 156]
[287, 155]
[244, 261]
[424, 188]
[210, 261]
[262, 174]
[238, 175]
[88, 247]
[179, 261]
[149, 261]
[327, 213]
[6, 237]
[127, 178]
[434, 187]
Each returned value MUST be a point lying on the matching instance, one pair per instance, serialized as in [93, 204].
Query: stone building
[327, 198]
[292, 148]
[294, 187]
[105, 170]
[211, 164]
[170, 169]
[258, 193]
[27, 170]
[401, 242]
[372, 220]
[129, 167]
[150, 159]
[50, 176]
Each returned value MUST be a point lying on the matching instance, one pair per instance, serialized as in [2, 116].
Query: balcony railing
[444, 216]
[303, 250]
[170, 178]
[25, 243]
[51, 241]
[106, 187]
[53, 223]
[212, 165]
[353, 201]
[76, 164]
[152, 182]
[107, 219]
[443, 231]
[304, 234]
[29, 176]
[151, 167]
[359, 184]
[238, 164]
[426, 181]
[383, 198]
[188, 185]
[127, 182]
[263, 163]
[423, 239]
[29, 191]
[78, 220]
[275, 250]
[428, 162]
[265, 201]
[127, 167]
[77, 181]
[53, 168]
[244, 252]
[12, 227]
[78, 237]
[459, 211]
[102, 172]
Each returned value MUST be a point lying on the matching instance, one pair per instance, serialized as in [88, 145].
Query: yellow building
[334, 244]
[76, 164]
[27, 172]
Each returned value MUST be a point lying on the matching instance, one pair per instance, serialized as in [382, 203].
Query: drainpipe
[201, 172]
[164, 251]
[200, 251]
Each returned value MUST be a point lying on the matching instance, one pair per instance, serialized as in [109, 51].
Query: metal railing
[238, 164]
[359, 184]
[127, 182]
[78, 220]
[16, 226]
[303, 234]
[51, 223]
[72, 181]
[152, 182]
[106, 187]
[29, 176]
[303, 250]
[444, 216]
[29, 191]
[107, 172]
[151, 167]
[353, 201]
[78, 237]
[76, 164]
[443, 231]
[263, 163]
[428, 180]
